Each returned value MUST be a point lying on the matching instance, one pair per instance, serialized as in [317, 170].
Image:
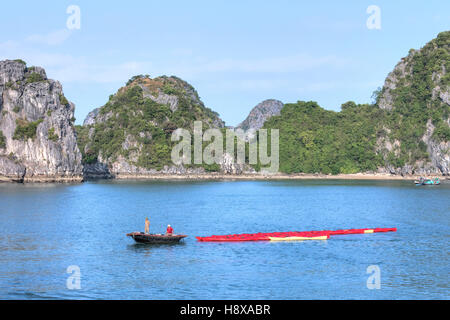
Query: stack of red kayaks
[305, 234]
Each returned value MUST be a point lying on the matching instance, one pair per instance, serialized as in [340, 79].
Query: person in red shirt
[169, 231]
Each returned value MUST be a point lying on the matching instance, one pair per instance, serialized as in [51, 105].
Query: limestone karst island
[405, 132]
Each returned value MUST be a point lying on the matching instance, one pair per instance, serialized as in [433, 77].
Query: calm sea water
[44, 229]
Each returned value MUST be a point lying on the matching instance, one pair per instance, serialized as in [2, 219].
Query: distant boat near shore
[427, 181]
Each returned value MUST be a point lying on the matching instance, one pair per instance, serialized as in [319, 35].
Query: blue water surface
[45, 228]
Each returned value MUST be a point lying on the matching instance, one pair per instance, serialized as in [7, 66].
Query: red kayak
[307, 234]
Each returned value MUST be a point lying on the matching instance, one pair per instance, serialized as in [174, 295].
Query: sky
[235, 53]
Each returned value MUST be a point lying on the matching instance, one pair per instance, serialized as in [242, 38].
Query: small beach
[269, 177]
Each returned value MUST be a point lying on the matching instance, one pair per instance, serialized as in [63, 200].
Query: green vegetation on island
[20, 61]
[354, 140]
[63, 100]
[52, 135]
[414, 103]
[34, 77]
[315, 140]
[2, 140]
[138, 128]
[25, 129]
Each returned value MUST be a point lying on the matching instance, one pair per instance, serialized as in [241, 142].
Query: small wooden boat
[141, 237]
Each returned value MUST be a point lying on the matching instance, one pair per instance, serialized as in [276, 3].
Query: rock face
[401, 70]
[437, 164]
[260, 113]
[90, 118]
[229, 165]
[37, 137]
[439, 151]
[416, 98]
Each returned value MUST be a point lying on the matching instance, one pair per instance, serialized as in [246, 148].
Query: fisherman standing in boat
[169, 230]
[147, 226]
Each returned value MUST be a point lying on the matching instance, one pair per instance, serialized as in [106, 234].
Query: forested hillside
[416, 98]
[132, 131]
[315, 140]
[406, 130]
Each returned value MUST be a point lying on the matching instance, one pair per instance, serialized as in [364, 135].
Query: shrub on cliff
[34, 77]
[52, 135]
[168, 89]
[9, 85]
[26, 130]
[20, 61]
[442, 132]
[2, 140]
[63, 100]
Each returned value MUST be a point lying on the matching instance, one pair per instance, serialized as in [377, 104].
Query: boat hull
[299, 238]
[296, 234]
[141, 237]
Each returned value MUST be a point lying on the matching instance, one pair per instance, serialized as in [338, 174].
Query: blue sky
[235, 53]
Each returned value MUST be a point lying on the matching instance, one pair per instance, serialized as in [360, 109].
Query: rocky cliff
[37, 136]
[414, 136]
[259, 114]
[131, 134]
